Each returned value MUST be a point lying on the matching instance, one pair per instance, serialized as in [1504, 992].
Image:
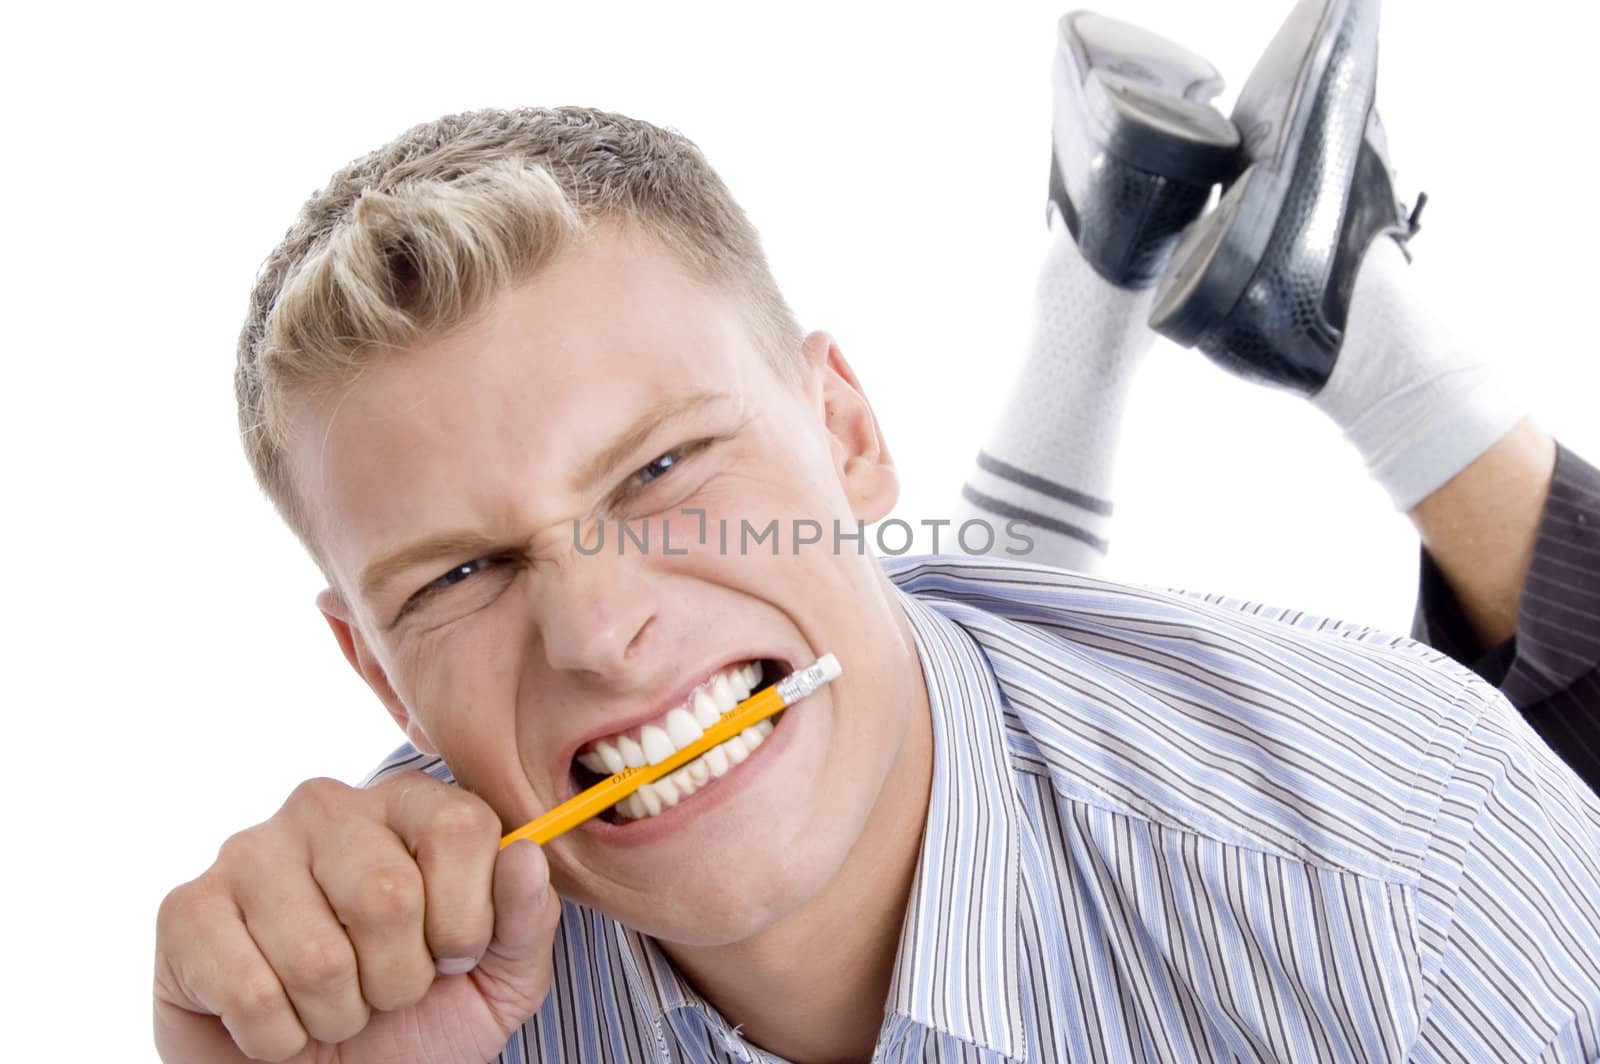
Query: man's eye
[455, 576]
[664, 464]
[458, 574]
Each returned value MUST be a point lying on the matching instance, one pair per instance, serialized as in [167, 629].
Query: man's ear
[340, 619]
[861, 456]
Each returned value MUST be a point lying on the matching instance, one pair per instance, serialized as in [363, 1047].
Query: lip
[709, 798]
[678, 697]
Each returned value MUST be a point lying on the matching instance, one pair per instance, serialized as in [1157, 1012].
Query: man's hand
[343, 929]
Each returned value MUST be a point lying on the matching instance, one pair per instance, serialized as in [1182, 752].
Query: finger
[375, 890]
[209, 968]
[296, 930]
[184, 1037]
[515, 970]
[455, 837]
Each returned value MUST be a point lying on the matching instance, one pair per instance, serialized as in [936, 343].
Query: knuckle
[182, 906]
[244, 849]
[390, 896]
[409, 780]
[320, 795]
[254, 1003]
[321, 963]
[465, 819]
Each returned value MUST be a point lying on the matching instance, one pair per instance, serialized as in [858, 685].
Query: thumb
[514, 973]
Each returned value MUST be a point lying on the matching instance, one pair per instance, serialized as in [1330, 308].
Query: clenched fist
[357, 925]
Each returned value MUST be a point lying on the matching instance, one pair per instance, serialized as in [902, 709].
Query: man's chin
[710, 899]
[736, 914]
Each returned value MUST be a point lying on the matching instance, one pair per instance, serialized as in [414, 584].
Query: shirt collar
[957, 970]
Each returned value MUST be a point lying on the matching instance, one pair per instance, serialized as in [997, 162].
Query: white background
[166, 678]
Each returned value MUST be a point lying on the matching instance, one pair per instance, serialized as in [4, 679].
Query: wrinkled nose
[596, 614]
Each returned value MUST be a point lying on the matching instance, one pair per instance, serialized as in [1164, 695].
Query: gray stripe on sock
[990, 464]
[1000, 508]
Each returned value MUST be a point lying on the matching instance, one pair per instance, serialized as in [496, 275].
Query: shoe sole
[1218, 256]
[1135, 104]
[1139, 100]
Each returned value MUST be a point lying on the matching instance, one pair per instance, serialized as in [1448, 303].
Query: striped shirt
[1166, 827]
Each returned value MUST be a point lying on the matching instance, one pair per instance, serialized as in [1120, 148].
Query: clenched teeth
[660, 739]
[651, 798]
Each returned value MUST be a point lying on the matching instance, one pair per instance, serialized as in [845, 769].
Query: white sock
[1416, 401]
[1048, 461]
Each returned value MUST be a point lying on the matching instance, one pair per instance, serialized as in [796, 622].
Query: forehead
[487, 425]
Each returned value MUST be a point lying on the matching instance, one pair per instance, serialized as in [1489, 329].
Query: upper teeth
[667, 791]
[655, 742]
[659, 740]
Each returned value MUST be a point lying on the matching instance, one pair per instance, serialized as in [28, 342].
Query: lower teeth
[651, 798]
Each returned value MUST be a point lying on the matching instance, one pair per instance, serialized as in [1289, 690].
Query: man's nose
[596, 614]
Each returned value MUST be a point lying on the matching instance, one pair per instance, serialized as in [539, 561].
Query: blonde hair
[414, 238]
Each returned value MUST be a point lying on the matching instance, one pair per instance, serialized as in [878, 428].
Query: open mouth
[655, 742]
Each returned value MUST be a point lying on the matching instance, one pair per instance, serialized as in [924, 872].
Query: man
[1509, 521]
[1039, 816]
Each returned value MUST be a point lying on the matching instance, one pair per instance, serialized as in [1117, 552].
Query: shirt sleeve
[1508, 907]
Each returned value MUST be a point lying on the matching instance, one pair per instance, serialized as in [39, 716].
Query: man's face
[612, 385]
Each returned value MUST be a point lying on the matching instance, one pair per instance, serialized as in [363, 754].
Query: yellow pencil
[608, 792]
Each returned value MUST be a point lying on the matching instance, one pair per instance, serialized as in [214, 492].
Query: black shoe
[1262, 284]
[1136, 146]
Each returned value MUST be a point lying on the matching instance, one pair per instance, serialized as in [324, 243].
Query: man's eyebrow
[456, 544]
[467, 544]
[631, 439]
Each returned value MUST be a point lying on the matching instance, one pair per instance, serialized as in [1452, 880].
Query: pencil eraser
[830, 667]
